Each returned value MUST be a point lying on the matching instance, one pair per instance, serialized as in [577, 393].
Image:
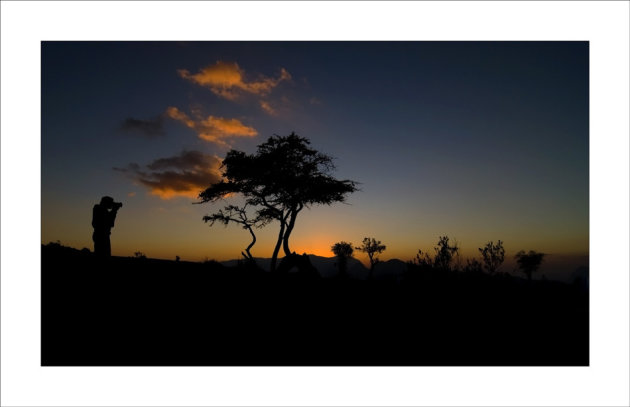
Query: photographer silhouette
[103, 217]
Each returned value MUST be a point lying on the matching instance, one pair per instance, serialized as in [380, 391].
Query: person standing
[103, 218]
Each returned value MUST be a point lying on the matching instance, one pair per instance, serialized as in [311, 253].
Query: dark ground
[145, 312]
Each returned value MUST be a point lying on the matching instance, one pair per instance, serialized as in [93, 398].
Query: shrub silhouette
[373, 248]
[343, 251]
[301, 262]
[444, 253]
[283, 177]
[139, 255]
[493, 256]
[529, 262]
[473, 266]
[422, 260]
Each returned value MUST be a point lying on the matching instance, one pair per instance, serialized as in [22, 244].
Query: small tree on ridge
[373, 248]
[493, 256]
[529, 262]
[343, 251]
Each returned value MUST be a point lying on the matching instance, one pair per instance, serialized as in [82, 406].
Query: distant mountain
[327, 267]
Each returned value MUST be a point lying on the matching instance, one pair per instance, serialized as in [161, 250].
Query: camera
[116, 205]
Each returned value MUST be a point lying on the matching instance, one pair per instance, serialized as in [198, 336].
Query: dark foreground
[147, 312]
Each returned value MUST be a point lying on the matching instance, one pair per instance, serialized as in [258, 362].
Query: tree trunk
[343, 266]
[287, 233]
[372, 263]
[249, 255]
[274, 257]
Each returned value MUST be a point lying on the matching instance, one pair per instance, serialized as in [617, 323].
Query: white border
[604, 24]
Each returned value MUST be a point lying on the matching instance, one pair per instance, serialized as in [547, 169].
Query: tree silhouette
[373, 248]
[343, 251]
[493, 256]
[236, 214]
[444, 253]
[529, 262]
[284, 176]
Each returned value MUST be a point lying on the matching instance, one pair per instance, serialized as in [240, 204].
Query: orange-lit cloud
[227, 79]
[264, 105]
[213, 129]
[183, 175]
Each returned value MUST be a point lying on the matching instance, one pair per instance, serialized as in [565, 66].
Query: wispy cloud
[184, 175]
[150, 128]
[211, 128]
[266, 106]
[228, 80]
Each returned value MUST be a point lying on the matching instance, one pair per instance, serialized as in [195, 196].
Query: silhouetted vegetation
[473, 266]
[493, 256]
[238, 215]
[301, 263]
[167, 313]
[444, 253]
[529, 262]
[282, 178]
[343, 251]
[373, 248]
[139, 255]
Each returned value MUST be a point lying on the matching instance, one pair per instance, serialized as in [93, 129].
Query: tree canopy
[529, 262]
[373, 248]
[343, 251]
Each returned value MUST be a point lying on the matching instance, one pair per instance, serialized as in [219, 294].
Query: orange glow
[169, 193]
[320, 246]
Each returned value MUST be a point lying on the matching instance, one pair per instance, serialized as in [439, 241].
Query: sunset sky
[479, 141]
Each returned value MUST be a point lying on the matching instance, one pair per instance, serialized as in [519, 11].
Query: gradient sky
[475, 140]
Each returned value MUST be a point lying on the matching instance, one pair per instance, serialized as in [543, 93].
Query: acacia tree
[238, 215]
[529, 262]
[373, 248]
[283, 177]
[493, 256]
[343, 251]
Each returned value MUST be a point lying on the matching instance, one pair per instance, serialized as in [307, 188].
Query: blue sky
[476, 140]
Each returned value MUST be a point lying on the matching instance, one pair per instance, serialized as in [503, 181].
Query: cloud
[150, 128]
[267, 108]
[227, 80]
[213, 129]
[185, 174]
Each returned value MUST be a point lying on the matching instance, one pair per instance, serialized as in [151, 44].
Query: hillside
[137, 311]
[327, 267]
